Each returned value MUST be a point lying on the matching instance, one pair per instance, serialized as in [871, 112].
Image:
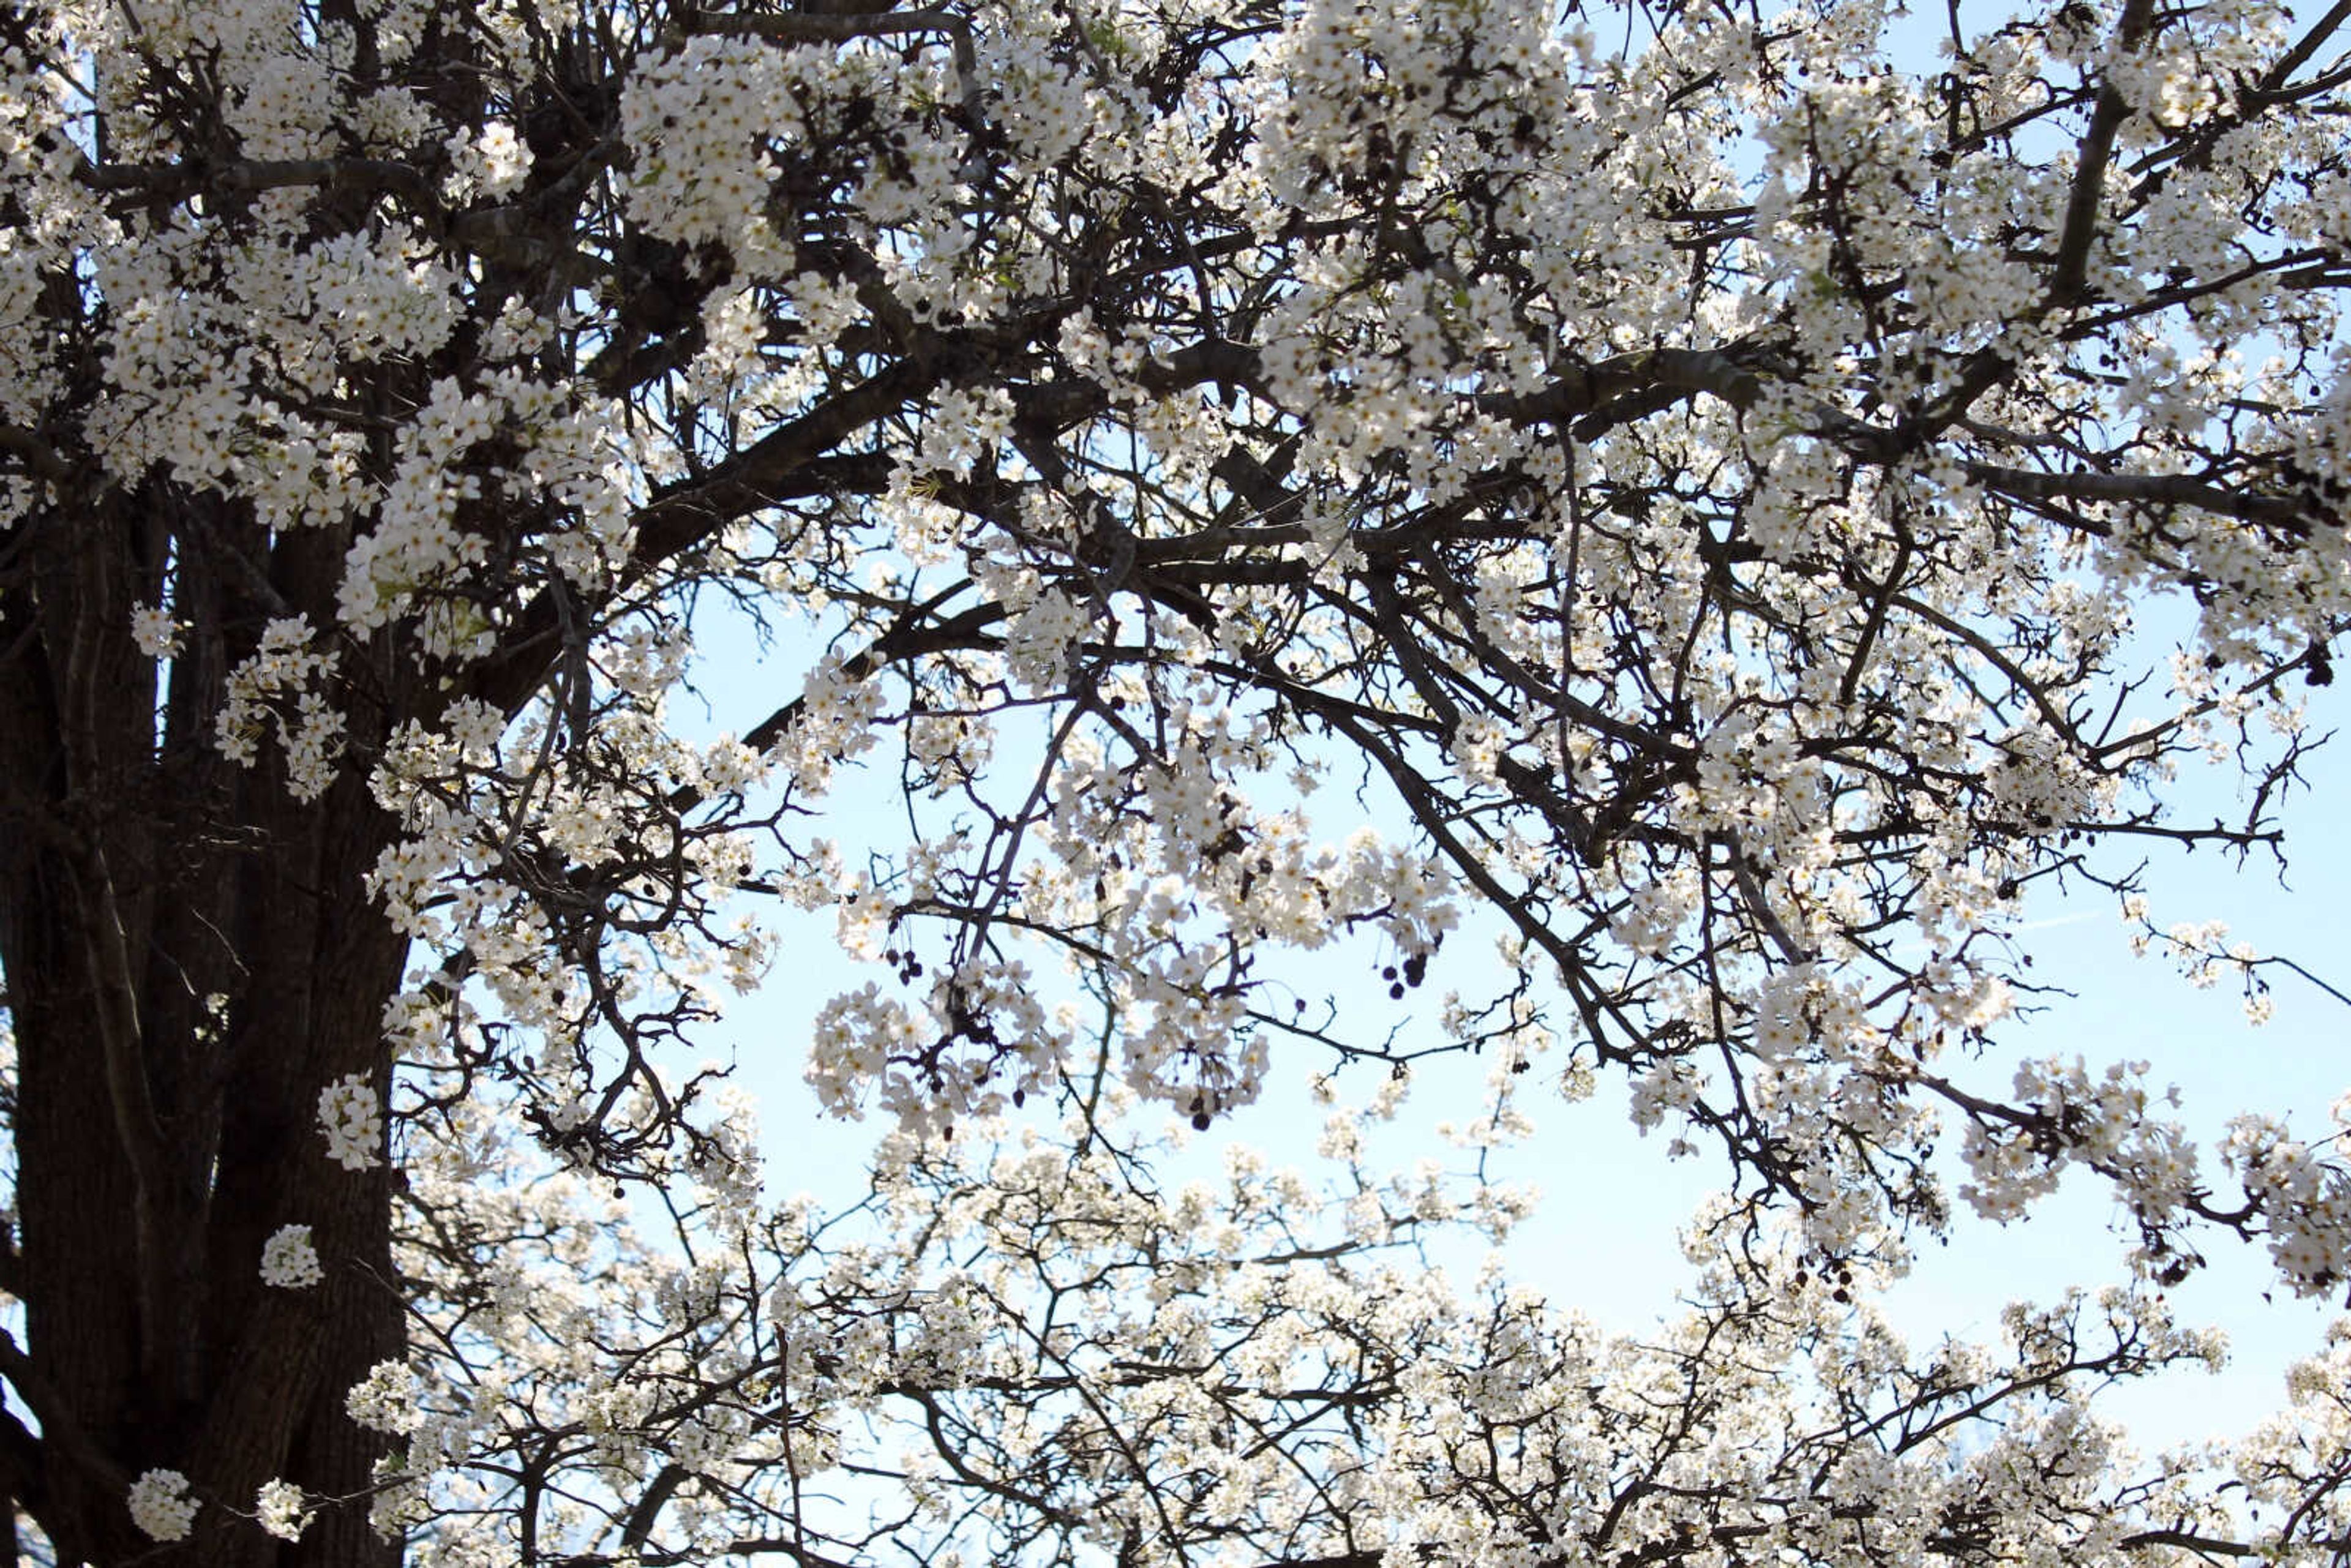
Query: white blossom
[282, 1509]
[288, 1261]
[386, 1400]
[160, 1506]
[351, 1114]
[158, 635]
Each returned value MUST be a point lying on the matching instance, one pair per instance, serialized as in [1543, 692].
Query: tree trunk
[191, 957]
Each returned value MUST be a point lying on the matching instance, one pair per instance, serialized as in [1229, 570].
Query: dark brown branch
[2294, 58]
[797, 29]
[2206, 1544]
[2081, 226]
[1586, 388]
[2146, 490]
[253, 176]
[38, 456]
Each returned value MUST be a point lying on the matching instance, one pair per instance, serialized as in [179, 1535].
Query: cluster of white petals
[160, 1506]
[282, 1509]
[351, 1114]
[275, 689]
[288, 1260]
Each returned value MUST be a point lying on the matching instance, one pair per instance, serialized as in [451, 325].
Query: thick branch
[98, 917]
[38, 456]
[2065, 285]
[2146, 490]
[253, 176]
[60, 1433]
[2294, 58]
[805, 29]
[1585, 389]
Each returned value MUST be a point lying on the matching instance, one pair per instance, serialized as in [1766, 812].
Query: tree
[1692, 473]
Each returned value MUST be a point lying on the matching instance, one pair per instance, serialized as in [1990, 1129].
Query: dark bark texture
[191, 955]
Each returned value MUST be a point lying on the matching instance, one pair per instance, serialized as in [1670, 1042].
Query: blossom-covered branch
[1656, 529]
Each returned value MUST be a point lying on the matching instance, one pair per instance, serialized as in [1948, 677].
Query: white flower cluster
[283, 672]
[160, 1506]
[701, 121]
[2304, 1199]
[351, 1114]
[159, 637]
[1039, 639]
[386, 1400]
[491, 163]
[835, 724]
[288, 1261]
[282, 1509]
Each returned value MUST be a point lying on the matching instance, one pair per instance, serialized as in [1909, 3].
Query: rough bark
[190, 954]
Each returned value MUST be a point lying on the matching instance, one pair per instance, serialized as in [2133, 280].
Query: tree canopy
[1692, 503]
